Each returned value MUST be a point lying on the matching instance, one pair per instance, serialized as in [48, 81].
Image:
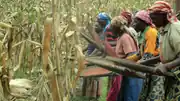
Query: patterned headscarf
[127, 15]
[144, 16]
[119, 21]
[105, 17]
[163, 6]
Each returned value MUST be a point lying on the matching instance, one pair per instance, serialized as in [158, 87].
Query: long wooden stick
[135, 66]
[112, 67]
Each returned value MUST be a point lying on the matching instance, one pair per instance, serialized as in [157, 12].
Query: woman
[126, 92]
[125, 47]
[163, 16]
[91, 87]
[101, 26]
[149, 47]
[128, 16]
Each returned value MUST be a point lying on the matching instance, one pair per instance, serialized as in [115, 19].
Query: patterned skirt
[173, 86]
[153, 89]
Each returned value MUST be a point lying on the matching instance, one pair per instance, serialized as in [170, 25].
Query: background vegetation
[25, 24]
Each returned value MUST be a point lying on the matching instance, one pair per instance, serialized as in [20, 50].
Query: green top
[170, 41]
[141, 37]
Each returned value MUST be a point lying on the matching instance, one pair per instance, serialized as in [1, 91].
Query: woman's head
[118, 23]
[161, 13]
[159, 18]
[103, 19]
[142, 20]
[128, 16]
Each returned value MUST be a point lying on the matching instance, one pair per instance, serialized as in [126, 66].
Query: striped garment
[110, 36]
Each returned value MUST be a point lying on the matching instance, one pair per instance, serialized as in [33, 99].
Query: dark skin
[139, 25]
[98, 28]
[102, 23]
[160, 20]
[117, 31]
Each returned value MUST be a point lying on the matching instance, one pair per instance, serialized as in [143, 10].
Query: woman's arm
[172, 64]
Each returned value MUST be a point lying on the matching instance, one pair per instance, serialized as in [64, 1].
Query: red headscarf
[163, 7]
[127, 15]
[144, 16]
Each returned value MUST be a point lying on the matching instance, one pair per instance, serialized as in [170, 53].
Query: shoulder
[175, 26]
[152, 32]
[174, 30]
[125, 37]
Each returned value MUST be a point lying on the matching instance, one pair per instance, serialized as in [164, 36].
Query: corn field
[40, 41]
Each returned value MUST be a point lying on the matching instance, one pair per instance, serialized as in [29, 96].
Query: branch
[112, 67]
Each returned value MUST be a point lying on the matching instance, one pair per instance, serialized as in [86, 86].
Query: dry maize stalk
[21, 54]
[48, 72]
[80, 59]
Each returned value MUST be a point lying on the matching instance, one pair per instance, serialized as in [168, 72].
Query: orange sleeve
[151, 37]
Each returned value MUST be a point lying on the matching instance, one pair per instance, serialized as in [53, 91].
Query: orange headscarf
[163, 7]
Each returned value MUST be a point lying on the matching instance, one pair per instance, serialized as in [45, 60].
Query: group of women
[151, 32]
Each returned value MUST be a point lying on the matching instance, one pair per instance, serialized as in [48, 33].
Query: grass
[104, 89]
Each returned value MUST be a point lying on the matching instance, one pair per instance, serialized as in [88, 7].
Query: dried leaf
[5, 25]
[14, 14]
[74, 20]
[80, 59]
[1, 45]
[70, 33]
[1, 35]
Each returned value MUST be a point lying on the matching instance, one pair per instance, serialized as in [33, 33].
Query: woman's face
[102, 23]
[159, 18]
[117, 31]
[139, 25]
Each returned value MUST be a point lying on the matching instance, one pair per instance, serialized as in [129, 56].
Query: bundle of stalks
[20, 87]
[120, 62]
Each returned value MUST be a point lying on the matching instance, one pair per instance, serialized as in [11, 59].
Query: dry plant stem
[55, 4]
[81, 66]
[46, 68]
[10, 40]
[55, 15]
[5, 37]
[17, 44]
[33, 42]
[21, 54]
[5, 82]
[100, 47]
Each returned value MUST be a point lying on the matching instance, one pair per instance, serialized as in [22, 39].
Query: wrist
[166, 66]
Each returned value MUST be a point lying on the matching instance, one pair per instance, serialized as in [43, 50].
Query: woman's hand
[160, 69]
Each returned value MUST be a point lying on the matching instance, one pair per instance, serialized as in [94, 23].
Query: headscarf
[163, 7]
[144, 16]
[119, 21]
[105, 17]
[127, 15]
